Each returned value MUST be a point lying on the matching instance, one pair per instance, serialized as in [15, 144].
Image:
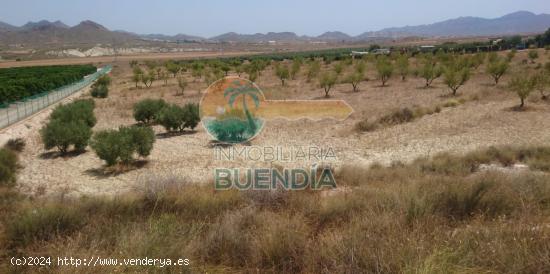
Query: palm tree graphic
[238, 89]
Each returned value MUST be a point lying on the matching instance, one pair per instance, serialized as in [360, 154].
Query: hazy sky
[213, 17]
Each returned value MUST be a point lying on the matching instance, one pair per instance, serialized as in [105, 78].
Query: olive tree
[496, 68]
[354, 79]
[146, 111]
[385, 69]
[327, 81]
[182, 84]
[296, 66]
[522, 85]
[455, 75]
[430, 71]
[282, 72]
[402, 66]
[314, 69]
[542, 81]
[120, 146]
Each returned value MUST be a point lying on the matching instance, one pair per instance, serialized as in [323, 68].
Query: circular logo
[229, 108]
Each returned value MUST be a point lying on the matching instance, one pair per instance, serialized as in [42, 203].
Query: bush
[17, 144]
[62, 135]
[104, 80]
[114, 146]
[100, 91]
[146, 111]
[398, 117]
[43, 223]
[8, 167]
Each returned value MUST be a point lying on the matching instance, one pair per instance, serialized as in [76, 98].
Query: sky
[208, 18]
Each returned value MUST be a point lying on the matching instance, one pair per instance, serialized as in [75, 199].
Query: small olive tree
[402, 66]
[282, 72]
[455, 75]
[496, 68]
[522, 85]
[430, 71]
[354, 79]
[327, 81]
[384, 68]
[182, 84]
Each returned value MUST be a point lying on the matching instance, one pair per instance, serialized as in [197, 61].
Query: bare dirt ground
[479, 123]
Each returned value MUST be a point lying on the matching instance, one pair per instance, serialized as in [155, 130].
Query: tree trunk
[522, 103]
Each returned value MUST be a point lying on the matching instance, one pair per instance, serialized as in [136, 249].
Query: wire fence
[20, 110]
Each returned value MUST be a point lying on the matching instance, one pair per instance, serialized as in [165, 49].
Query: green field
[22, 82]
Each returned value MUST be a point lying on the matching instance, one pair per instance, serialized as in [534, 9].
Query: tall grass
[438, 215]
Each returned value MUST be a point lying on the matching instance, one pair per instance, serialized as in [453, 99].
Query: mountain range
[89, 32]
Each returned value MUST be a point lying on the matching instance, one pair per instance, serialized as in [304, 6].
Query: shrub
[113, 146]
[100, 91]
[17, 144]
[104, 80]
[146, 111]
[533, 55]
[8, 167]
[43, 223]
[62, 135]
[398, 117]
[366, 125]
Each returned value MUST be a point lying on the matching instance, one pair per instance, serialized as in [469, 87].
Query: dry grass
[431, 216]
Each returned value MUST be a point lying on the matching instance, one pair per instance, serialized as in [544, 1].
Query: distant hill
[45, 32]
[334, 36]
[7, 27]
[44, 24]
[514, 23]
[88, 32]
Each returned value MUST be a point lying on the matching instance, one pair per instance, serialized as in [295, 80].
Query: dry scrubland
[485, 119]
[401, 205]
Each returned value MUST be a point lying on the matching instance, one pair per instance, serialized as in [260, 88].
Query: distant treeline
[496, 44]
[22, 82]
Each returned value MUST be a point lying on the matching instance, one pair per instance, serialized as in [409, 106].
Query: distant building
[427, 48]
[380, 51]
[358, 53]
